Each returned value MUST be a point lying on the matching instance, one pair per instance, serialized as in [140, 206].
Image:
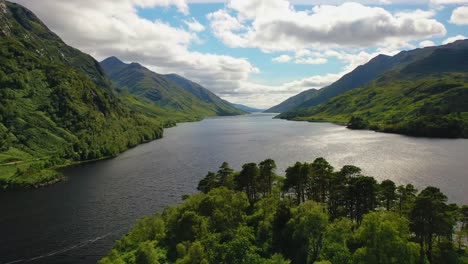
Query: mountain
[426, 97]
[56, 104]
[223, 107]
[293, 102]
[358, 77]
[247, 109]
[169, 92]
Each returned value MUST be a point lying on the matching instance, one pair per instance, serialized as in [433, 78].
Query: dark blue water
[77, 221]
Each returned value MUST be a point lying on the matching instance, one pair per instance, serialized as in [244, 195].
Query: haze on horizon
[253, 52]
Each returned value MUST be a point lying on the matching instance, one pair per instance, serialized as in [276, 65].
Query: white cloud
[274, 25]
[282, 59]
[448, 2]
[311, 61]
[460, 16]
[113, 28]
[225, 27]
[453, 39]
[194, 25]
[426, 43]
[180, 4]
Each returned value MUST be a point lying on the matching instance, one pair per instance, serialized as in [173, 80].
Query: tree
[337, 193]
[357, 122]
[147, 254]
[321, 172]
[462, 234]
[335, 239]
[208, 183]
[383, 238]
[307, 225]
[431, 217]
[267, 173]
[361, 197]
[247, 180]
[195, 254]
[405, 196]
[388, 193]
[224, 173]
[296, 180]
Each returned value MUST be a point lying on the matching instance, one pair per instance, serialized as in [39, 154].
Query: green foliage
[306, 226]
[414, 98]
[225, 225]
[383, 237]
[170, 93]
[431, 217]
[357, 122]
[388, 193]
[335, 240]
[56, 105]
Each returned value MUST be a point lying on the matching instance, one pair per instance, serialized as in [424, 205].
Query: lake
[78, 220]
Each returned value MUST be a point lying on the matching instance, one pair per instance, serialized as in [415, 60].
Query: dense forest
[315, 214]
[58, 106]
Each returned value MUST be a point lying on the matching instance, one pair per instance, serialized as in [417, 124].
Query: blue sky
[277, 73]
[255, 52]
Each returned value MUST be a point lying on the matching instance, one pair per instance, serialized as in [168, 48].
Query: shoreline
[370, 129]
[7, 186]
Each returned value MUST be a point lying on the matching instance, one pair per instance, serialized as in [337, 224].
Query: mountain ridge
[166, 91]
[57, 107]
[356, 78]
[426, 97]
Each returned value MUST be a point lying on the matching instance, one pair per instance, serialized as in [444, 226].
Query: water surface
[77, 221]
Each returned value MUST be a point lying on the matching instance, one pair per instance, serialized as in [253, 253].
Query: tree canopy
[317, 215]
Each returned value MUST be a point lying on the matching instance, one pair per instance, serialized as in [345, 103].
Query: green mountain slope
[293, 102]
[222, 107]
[427, 97]
[160, 90]
[56, 104]
[358, 77]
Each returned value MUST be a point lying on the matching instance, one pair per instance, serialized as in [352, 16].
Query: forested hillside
[360, 76]
[315, 214]
[170, 92]
[424, 98]
[56, 104]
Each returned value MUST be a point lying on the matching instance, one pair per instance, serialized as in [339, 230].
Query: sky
[253, 52]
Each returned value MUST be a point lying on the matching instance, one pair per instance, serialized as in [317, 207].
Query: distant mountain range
[171, 92]
[58, 105]
[247, 108]
[358, 77]
[423, 92]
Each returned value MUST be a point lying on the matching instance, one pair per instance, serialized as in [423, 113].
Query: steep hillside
[56, 104]
[358, 77]
[427, 97]
[222, 107]
[178, 95]
[293, 102]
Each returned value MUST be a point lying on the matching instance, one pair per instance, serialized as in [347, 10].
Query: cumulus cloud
[460, 16]
[311, 61]
[316, 35]
[448, 2]
[274, 25]
[453, 39]
[426, 43]
[194, 25]
[282, 59]
[113, 28]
